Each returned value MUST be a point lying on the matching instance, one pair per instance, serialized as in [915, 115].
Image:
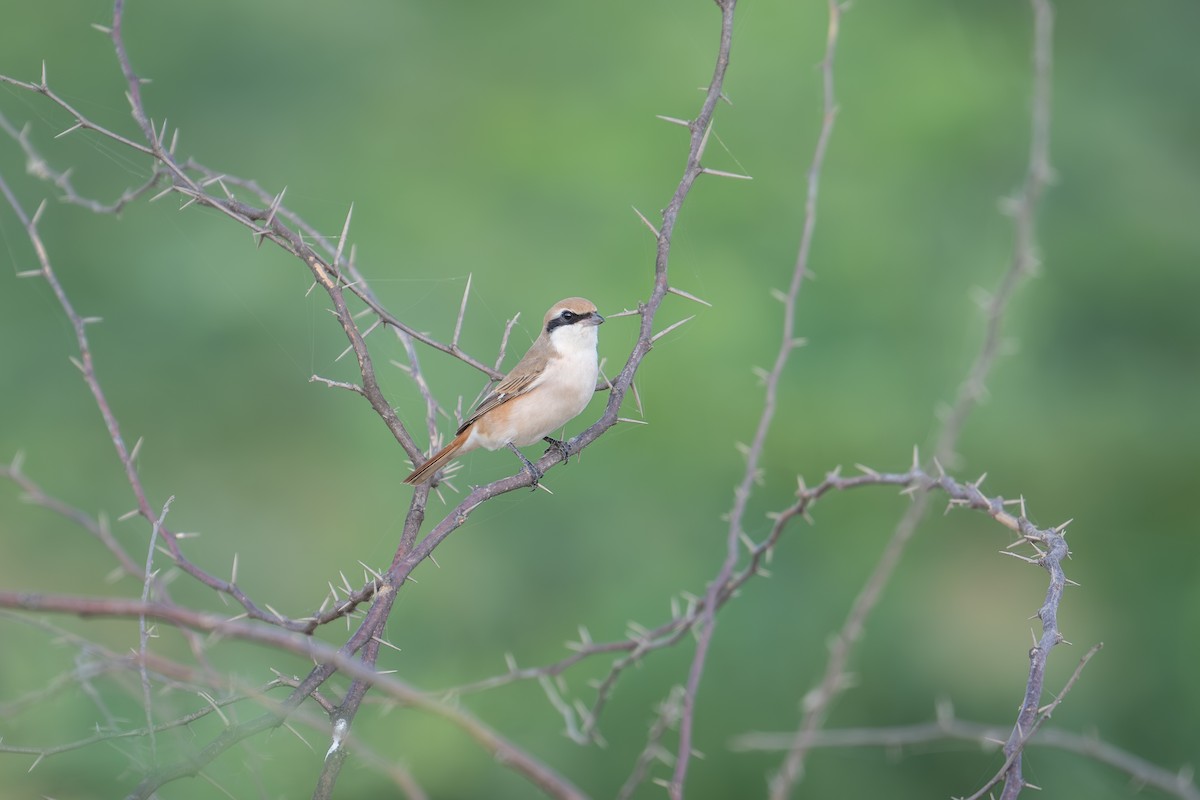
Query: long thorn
[674, 120]
[670, 328]
[337, 256]
[723, 174]
[688, 296]
[649, 224]
[462, 312]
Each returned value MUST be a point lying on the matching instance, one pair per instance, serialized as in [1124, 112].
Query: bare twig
[96, 526]
[1025, 259]
[1024, 262]
[736, 533]
[946, 727]
[305, 646]
[820, 699]
[39, 167]
[144, 630]
[125, 454]
[668, 718]
[1014, 748]
[643, 642]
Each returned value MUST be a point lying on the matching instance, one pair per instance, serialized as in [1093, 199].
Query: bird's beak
[596, 319]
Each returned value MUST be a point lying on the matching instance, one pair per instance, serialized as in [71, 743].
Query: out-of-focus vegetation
[508, 141]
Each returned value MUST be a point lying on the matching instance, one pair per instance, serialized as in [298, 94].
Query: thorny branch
[338, 277]
[301, 645]
[326, 275]
[913, 481]
[1036, 179]
[1024, 259]
[736, 533]
[126, 454]
[1048, 545]
[946, 727]
[336, 272]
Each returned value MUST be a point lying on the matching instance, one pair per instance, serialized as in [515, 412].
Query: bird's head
[572, 323]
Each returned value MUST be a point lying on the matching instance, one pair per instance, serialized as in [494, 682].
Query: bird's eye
[567, 315]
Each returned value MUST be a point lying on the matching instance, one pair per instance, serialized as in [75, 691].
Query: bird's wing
[524, 377]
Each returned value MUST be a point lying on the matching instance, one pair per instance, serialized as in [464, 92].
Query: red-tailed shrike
[549, 386]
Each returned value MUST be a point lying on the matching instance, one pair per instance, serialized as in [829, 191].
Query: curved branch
[499, 747]
[1023, 261]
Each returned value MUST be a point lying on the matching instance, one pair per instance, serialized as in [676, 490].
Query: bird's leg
[534, 472]
[558, 446]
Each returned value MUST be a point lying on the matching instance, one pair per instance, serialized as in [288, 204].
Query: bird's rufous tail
[438, 460]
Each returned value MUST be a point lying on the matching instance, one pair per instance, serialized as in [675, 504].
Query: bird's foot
[558, 446]
[534, 472]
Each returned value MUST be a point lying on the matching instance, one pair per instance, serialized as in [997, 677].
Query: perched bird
[549, 386]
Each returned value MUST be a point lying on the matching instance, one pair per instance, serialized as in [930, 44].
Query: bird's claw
[558, 446]
[534, 473]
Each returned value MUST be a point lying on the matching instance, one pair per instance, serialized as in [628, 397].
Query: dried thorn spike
[704, 143]
[720, 173]
[674, 120]
[71, 129]
[688, 295]
[337, 255]
[670, 328]
[462, 313]
[274, 208]
[162, 194]
[648, 223]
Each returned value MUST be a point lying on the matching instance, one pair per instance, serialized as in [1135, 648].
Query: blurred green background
[508, 141]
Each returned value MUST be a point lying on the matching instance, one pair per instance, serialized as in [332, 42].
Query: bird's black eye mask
[567, 317]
